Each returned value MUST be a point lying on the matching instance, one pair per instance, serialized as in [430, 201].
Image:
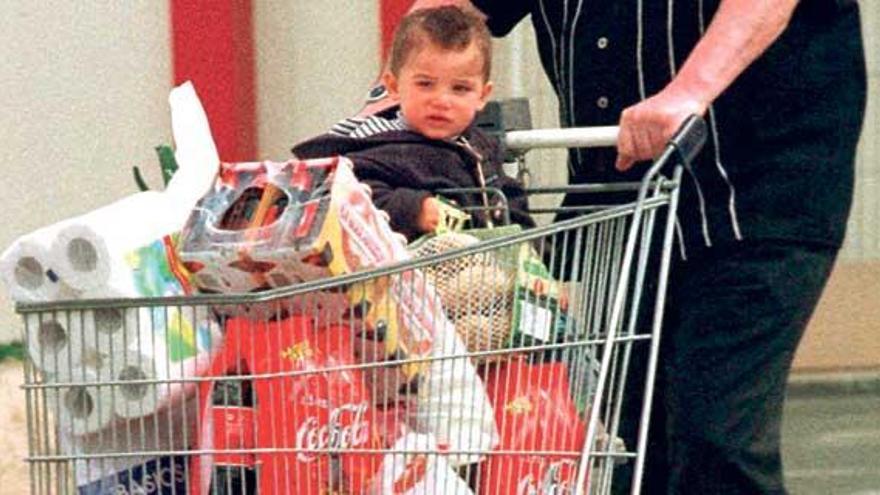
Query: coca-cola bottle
[233, 411]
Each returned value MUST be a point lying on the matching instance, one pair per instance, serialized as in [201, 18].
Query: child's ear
[485, 94]
[390, 83]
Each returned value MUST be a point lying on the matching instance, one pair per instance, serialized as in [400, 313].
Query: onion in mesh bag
[476, 292]
[440, 244]
[477, 289]
[484, 332]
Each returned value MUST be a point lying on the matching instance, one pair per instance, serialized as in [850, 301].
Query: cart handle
[690, 138]
[687, 140]
[570, 137]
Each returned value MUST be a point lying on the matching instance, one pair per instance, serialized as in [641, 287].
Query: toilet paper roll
[116, 330]
[127, 344]
[86, 408]
[90, 250]
[60, 341]
[170, 430]
[26, 268]
[148, 392]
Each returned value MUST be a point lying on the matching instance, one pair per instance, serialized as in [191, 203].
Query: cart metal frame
[612, 253]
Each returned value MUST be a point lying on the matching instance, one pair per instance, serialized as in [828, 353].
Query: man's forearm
[738, 34]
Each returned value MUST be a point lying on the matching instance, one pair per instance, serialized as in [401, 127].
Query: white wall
[315, 62]
[84, 98]
[863, 234]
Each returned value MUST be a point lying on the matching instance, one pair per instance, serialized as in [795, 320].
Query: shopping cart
[298, 390]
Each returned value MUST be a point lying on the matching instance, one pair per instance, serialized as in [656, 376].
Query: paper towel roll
[83, 409]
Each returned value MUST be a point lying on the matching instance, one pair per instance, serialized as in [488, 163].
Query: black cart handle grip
[690, 138]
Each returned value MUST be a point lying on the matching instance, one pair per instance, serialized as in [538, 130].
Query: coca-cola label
[557, 478]
[346, 427]
[519, 405]
[298, 352]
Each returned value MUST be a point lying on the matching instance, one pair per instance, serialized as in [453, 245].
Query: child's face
[440, 90]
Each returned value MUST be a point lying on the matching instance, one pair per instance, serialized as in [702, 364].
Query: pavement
[831, 434]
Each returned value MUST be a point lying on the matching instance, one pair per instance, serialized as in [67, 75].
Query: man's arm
[738, 34]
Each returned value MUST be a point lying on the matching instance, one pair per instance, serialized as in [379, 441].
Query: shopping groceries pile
[319, 392]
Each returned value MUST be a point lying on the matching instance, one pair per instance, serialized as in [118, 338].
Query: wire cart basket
[307, 389]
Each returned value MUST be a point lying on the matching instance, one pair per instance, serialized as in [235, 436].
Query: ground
[13, 421]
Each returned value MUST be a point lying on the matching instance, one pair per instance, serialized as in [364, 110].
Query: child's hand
[429, 215]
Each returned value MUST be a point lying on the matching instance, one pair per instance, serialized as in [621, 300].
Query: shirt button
[602, 43]
[602, 102]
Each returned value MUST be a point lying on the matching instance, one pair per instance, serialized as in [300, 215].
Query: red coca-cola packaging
[309, 406]
[227, 422]
[322, 410]
[534, 412]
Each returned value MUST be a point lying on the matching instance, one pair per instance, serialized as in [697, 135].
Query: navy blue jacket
[403, 168]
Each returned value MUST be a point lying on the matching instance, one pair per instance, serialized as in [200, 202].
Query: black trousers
[733, 320]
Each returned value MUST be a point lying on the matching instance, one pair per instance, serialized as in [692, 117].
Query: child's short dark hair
[449, 27]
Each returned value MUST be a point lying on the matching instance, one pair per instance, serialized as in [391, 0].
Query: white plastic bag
[452, 402]
[422, 471]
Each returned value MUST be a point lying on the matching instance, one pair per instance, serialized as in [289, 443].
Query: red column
[389, 16]
[212, 45]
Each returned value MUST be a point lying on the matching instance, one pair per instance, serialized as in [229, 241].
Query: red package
[534, 413]
[306, 415]
[227, 422]
[298, 414]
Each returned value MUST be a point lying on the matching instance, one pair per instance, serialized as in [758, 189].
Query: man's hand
[739, 32]
[647, 126]
[429, 215]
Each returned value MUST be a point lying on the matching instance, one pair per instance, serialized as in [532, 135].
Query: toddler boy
[439, 71]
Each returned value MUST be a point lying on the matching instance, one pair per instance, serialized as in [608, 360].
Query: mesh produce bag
[476, 291]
